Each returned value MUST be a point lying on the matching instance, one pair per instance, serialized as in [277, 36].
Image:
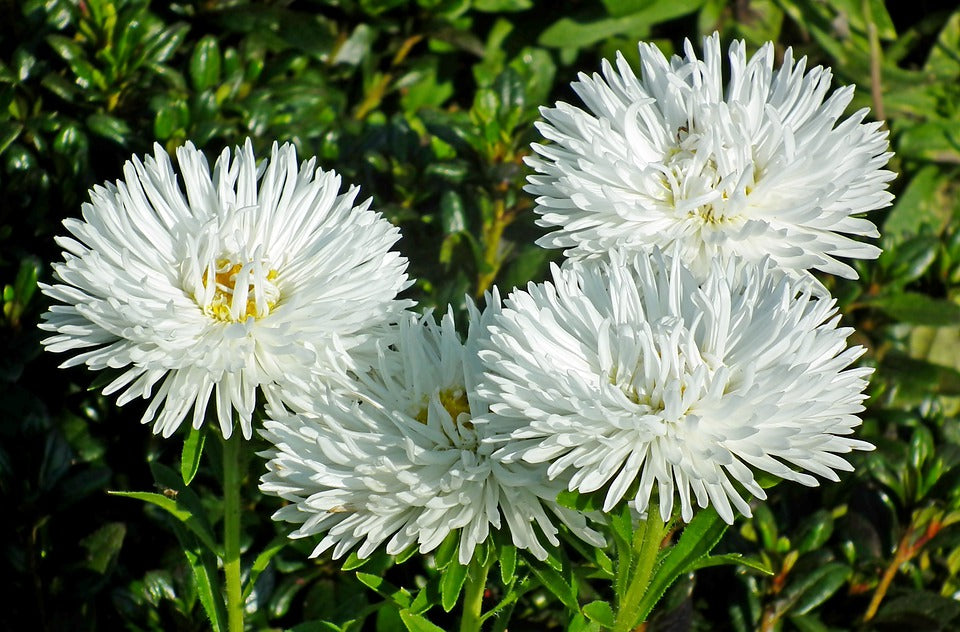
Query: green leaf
[876, 14]
[103, 546]
[109, 127]
[354, 562]
[731, 559]
[170, 118]
[203, 565]
[919, 610]
[417, 623]
[808, 623]
[553, 581]
[263, 560]
[817, 586]
[944, 58]
[573, 499]
[318, 626]
[698, 539]
[925, 202]
[600, 612]
[399, 596]
[920, 309]
[192, 451]
[427, 597]
[815, 531]
[937, 141]
[452, 216]
[447, 551]
[507, 556]
[284, 594]
[502, 6]
[569, 33]
[205, 64]
[909, 260]
[158, 586]
[9, 131]
[178, 511]
[166, 42]
[451, 584]
[579, 623]
[921, 378]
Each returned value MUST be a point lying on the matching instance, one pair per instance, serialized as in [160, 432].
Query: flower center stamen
[454, 401]
[239, 290]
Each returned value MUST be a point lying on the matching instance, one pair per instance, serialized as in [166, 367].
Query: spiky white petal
[636, 374]
[399, 457]
[250, 275]
[767, 166]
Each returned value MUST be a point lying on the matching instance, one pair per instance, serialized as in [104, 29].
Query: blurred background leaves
[429, 106]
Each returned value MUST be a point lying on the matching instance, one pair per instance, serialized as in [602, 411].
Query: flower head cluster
[763, 167]
[681, 349]
[400, 456]
[223, 289]
[636, 375]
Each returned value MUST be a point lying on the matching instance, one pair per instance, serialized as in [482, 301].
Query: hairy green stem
[646, 547]
[473, 590]
[231, 532]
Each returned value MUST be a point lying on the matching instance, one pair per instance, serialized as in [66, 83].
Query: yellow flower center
[454, 401]
[255, 296]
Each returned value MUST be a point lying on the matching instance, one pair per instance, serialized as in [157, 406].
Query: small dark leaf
[817, 586]
[815, 531]
[205, 64]
[109, 127]
[919, 610]
[103, 546]
[158, 586]
[452, 216]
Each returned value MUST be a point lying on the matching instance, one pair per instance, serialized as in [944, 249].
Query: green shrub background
[429, 106]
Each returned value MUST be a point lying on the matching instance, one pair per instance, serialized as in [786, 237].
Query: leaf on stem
[451, 584]
[698, 539]
[192, 451]
[178, 511]
[417, 623]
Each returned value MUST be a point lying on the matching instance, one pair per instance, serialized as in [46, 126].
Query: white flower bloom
[402, 459]
[252, 275]
[763, 167]
[632, 374]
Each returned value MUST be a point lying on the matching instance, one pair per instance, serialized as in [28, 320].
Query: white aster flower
[254, 274]
[634, 373]
[763, 167]
[402, 459]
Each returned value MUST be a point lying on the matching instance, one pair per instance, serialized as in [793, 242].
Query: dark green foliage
[429, 106]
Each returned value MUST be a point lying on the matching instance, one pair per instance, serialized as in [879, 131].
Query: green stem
[647, 539]
[473, 591]
[231, 531]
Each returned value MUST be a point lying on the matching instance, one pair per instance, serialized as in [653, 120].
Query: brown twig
[907, 548]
